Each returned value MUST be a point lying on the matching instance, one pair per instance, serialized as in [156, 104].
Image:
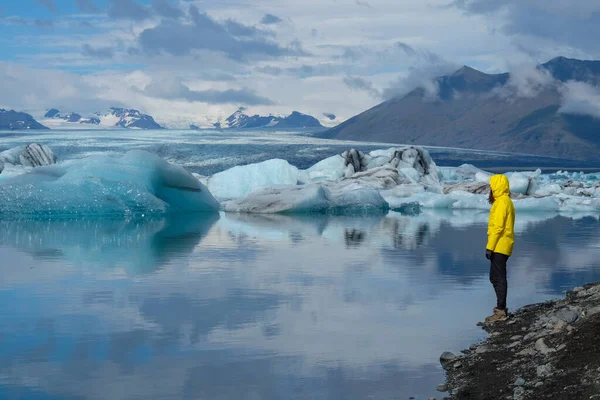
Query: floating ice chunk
[520, 183]
[357, 201]
[283, 199]
[414, 161]
[469, 201]
[331, 168]
[31, 155]
[19, 160]
[548, 189]
[424, 199]
[465, 172]
[483, 177]
[312, 198]
[238, 182]
[139, 183]
[377, 178]
[537, 204]
[402, 191]
[572, 204]
[471, 187]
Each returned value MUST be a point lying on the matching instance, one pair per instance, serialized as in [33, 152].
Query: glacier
[404, 179]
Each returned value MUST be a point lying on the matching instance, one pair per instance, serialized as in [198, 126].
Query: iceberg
[465, 172]
[31, 155]
[19, 160]
[522, 183]
[475, 187]
[309, 199]
[403, 179]
[415, 163]
[135, 185]
[350, 182]
[238, 182]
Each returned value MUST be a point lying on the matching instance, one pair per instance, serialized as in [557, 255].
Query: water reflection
[137, 246]
[354, 237]
[261, 307]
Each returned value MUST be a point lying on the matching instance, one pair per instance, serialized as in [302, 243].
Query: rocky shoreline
[549, 350]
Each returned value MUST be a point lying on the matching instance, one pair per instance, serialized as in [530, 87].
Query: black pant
[498, 278]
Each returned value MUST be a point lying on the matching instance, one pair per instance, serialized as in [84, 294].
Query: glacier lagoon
[261, 307]
[258, 306]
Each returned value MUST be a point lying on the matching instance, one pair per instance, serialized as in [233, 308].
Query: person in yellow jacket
[501, 238]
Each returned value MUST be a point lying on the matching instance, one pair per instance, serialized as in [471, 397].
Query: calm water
[259, 307]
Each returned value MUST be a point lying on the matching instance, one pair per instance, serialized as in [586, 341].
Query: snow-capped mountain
[71, 117]
[240, 120]
[14, 120]
[113, 118]
[130, 118]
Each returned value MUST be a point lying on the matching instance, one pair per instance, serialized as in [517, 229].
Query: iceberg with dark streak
[350, 183]
[31, 155]
[19, 160]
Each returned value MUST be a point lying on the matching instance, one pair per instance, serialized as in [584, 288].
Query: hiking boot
[499, 315]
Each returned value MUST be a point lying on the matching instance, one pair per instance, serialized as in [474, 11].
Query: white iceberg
[237, 182]
[331, 168]
[522, 182]
[309, 199]
[465, 172]
[137, 184]
[404, 178]
[351, 182]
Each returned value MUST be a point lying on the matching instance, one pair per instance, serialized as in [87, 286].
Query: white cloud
[394, 45]
[526, 81]
[581, 99]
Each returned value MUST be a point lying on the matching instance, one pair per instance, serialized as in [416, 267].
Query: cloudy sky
[197, 61]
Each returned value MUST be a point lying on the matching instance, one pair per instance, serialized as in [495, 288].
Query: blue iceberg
[138, 184]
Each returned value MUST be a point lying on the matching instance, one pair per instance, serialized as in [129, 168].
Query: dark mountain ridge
[475, 110]
[14, 120]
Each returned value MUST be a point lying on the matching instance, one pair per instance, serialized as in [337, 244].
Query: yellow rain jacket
[501, 236]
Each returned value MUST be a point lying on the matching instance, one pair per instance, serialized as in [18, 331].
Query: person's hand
[488, 254]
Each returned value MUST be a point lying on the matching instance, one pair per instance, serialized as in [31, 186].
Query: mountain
[296, 120]
[476, 110]
[132, 119]
[71, 117]
[114, 117]
[13, 120]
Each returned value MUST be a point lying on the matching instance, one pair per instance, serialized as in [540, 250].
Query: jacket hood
[499, 185]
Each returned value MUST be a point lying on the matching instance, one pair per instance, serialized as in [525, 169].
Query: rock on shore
[544, 351]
